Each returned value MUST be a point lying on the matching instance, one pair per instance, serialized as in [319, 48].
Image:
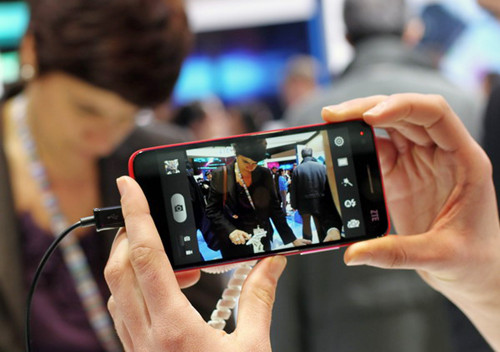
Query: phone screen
[239, 198]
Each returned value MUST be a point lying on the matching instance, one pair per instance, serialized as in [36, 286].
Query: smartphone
[241, 198]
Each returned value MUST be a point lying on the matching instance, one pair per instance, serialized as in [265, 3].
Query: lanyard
[237, 168]
[73, 255]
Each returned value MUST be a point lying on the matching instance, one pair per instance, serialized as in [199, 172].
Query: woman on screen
[241, 202]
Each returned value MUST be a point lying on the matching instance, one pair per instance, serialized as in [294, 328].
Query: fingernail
[121, 183]
[334, 109]
[359, 259]
[376, 110]
[277, 266]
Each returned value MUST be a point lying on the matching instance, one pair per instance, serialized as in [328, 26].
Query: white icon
[374, 215]
[339, 141]
[187, 239]
[350, 203]
[342, 162]
[189, 252]
[353, 224]
[346, 182]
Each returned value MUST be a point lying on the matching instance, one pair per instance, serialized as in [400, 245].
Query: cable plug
[105, 218]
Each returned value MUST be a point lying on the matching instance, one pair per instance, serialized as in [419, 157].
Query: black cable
[103, 219]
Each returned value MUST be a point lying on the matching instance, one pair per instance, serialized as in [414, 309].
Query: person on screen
[283, 188]
[242, 201]
[310, 194]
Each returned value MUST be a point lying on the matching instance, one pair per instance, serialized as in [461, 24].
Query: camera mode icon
[178, 207]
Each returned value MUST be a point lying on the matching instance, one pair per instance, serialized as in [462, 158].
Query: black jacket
[226, 219]
[308, 182]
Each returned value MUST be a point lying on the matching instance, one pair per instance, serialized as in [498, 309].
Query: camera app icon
[178, 208]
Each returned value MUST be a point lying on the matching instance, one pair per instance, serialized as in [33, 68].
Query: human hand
[239, 237]
[150, 311]
[301, 242]
[441, 198]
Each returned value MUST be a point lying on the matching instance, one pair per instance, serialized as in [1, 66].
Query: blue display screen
[240, 65]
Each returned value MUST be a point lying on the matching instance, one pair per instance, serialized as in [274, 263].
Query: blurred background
[243, 46]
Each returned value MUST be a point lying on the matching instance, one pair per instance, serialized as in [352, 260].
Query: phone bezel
[151, 185]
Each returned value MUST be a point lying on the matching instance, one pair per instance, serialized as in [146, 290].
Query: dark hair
[134, 48]
[254, 149]
[188, 114]
[306, 152]
[368, 18]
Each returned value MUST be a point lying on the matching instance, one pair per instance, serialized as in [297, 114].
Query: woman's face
[245, 164]
[77, 116]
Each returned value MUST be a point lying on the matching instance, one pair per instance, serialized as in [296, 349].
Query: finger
[387, 151]
[120, 327]
[418, 252]
[431, 112]
[257, 299]
[351, 109]
[123, 285]
[147, 255]
[187, 278]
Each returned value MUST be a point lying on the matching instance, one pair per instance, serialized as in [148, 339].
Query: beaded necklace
[72, 252]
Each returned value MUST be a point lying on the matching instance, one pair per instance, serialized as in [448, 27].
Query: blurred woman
[88, 67]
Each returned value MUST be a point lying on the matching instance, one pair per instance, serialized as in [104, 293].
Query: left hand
[150, 311]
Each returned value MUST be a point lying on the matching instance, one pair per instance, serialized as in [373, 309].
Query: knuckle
[399, 257]
[265, 293]
[113, 273]
[141, 257]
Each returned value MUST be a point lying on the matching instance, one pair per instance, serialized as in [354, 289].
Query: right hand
[239, 237]
[442, 200]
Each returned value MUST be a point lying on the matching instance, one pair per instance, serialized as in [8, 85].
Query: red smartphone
[241, 198]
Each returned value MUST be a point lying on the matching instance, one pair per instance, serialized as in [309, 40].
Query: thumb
[395, 252]
[257, 299]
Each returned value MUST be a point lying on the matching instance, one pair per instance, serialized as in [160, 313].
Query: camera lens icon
[339, 141]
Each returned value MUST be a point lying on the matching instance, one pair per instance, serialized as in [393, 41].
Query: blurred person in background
[381, 306]
[384, 36]
[301, 77]
[249, 117]
[66, 134]
[205, 119]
